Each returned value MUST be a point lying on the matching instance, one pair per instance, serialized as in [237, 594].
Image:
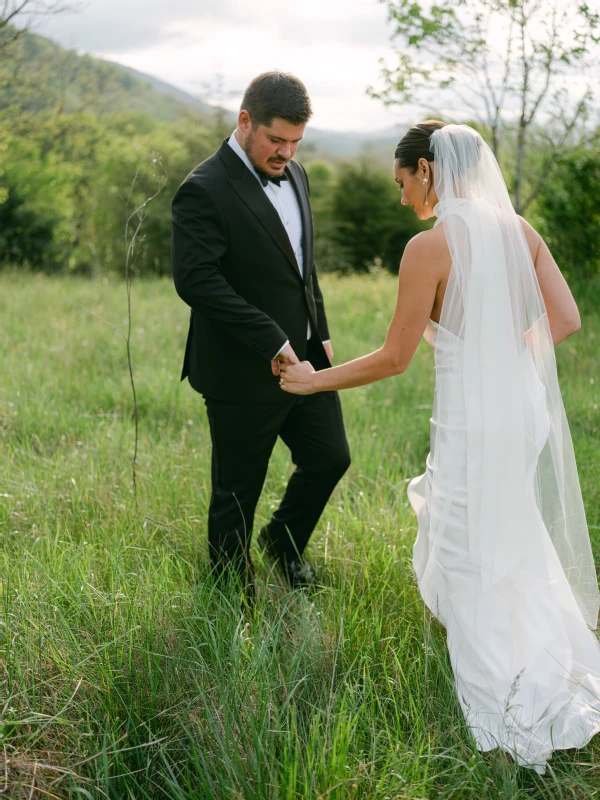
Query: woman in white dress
[502, 556]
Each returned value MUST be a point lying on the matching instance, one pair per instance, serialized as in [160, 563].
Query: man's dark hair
[277, 94]
[415, 144]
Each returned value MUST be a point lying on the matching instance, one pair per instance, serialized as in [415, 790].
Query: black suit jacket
[234, 266]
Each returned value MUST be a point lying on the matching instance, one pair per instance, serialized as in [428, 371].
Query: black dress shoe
[298, 572]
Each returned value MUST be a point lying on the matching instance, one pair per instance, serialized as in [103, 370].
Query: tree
[521, 67]
[34, 206]
[214, 93]
[372, 226]
[14, 12]
[181, 147]
[570, 209]
[330, 253]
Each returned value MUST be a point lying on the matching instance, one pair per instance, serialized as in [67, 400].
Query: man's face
[270, 147]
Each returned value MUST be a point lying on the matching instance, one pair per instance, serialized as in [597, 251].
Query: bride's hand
[298, 378]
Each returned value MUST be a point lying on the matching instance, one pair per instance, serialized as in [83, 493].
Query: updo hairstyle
[415, 144]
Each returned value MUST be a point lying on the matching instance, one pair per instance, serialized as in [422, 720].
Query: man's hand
[287, 356]
[298, 378]
[329, 351]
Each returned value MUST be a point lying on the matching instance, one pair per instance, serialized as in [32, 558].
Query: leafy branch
[505, 63]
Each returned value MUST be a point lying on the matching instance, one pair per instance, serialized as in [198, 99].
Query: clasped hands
[295, 376]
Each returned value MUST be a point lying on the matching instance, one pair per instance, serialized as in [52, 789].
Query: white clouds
[332, 45]
[126, 25]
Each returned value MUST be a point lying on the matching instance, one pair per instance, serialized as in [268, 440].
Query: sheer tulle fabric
[503, 556]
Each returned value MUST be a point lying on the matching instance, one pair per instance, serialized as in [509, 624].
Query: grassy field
[124, 675]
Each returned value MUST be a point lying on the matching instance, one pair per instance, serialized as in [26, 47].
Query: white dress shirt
[285, 202]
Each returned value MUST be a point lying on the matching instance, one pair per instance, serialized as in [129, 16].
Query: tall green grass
[125, 674]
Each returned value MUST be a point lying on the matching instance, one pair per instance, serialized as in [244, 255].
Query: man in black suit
[243, 260]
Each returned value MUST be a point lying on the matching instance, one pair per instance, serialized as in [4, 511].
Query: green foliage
[73, 133]
[180, 147]
[495, 58]
[69, 151]
[359, 220]
[38, 75]
[34, 206]
[125, 674]
[66, 184]
[570, 209]
[73, 152]
[372, 224]
[175, 149]
[331, 255]
[26, 238]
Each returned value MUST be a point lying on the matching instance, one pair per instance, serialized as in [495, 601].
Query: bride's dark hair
[415, 144]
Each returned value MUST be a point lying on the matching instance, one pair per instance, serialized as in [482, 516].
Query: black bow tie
[265, 179]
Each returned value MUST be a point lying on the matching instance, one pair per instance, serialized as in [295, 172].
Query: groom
[243, 260]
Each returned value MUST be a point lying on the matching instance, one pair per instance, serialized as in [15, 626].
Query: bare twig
[131, 240]
[106, 322]
[16, 15]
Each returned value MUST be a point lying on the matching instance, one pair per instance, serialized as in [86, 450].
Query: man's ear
[244, 121]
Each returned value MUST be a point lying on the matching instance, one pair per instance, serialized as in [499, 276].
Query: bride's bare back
[422, 281]
[560, 305]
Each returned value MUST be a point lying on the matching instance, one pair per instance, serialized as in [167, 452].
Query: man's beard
[248, 150]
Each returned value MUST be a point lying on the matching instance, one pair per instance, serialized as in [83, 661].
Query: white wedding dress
[502, 555]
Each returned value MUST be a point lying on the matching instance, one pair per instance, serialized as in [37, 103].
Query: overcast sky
[332, 45]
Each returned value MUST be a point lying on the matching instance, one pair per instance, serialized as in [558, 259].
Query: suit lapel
[305, 213]
[251, 192]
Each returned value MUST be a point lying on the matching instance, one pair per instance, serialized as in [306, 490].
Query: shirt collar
[240, 152]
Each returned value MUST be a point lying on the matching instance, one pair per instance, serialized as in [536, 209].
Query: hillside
[150, 86]
[331, 144]
[318, 142]
[52, 77]
[60, 77]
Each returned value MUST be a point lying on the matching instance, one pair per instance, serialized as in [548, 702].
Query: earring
[425, 182]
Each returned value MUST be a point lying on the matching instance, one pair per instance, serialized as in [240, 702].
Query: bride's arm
[563, 315]
[418, 280]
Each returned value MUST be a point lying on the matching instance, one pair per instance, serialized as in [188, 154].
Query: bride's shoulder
[434, 238]
[429, 247]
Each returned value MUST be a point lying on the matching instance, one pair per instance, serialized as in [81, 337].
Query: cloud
[358, 24]
[333, 45]
[123, 26]
[127, 25]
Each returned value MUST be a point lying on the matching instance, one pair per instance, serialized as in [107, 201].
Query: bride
[502, 556]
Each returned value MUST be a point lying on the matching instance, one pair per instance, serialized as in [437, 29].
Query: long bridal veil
[522, 483]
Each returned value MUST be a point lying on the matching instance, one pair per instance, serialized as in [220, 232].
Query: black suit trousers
[243, 437]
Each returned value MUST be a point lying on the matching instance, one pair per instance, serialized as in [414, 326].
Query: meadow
[125, 675]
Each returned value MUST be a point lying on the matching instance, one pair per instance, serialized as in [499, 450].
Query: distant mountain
[166, 90]
[55, 77]
[128, 88]
[337, 145]
[340, 146]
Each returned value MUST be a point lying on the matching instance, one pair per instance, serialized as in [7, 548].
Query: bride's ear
[425, 171]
